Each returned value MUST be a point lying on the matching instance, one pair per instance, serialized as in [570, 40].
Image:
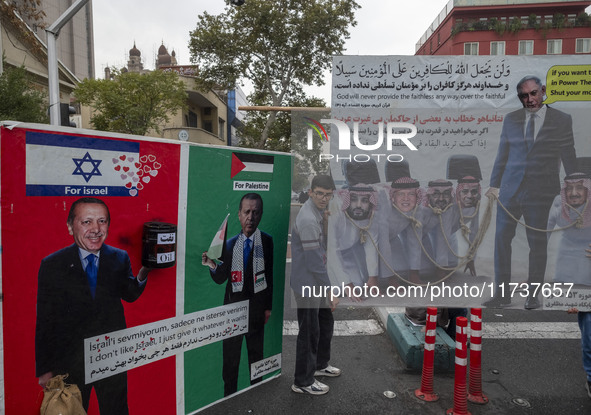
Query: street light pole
[52, 67]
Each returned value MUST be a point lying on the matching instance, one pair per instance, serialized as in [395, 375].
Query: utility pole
[52, 68]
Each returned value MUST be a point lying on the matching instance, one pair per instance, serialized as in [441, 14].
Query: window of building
[583, 45]
[497, 48]
[526, 47]
[554, 47]
[471, 48]
[191, 119]
[208, 126]
[571, 18]
[222, 127]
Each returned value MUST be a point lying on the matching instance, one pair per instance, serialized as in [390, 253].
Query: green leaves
[133, 103]
[19, 100]
[279, 46]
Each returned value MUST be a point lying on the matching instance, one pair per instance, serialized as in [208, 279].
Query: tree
[133, 103]
[287, 134]
[279, 46]
[20, 100]
[30, 10]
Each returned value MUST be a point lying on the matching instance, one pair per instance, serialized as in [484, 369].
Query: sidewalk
[533, 377]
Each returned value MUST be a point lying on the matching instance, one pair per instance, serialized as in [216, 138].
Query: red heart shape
[143, 159]
[123, 157]
[138, 165]
[128, 185]
[151, 157]
[140, 173]
[147, 169]
[125, 169]
[139, 186]
[117, 167]
[157, 165]
[107, 337]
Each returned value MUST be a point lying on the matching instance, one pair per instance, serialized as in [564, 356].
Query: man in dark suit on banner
[79, 295]
[525, 178]
[247, 270]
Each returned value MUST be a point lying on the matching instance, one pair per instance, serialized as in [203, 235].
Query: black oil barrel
[159, 245]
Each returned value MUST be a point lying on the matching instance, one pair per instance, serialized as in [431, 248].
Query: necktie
[91, 273]
[247, 249]
[530, 131]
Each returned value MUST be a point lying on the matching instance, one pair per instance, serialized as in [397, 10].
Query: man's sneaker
[589, 388]
[328, 371]
[316, 388]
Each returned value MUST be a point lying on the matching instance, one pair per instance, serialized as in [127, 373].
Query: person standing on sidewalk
[309, 276]
[584, 318]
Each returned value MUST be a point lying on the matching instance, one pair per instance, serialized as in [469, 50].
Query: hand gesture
[206, 261]
[492, 192]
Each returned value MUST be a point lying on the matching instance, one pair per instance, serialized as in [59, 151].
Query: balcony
[194, 135]
[514, 24]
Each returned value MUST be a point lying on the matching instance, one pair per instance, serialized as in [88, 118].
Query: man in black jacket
[247, 270]
[79, 295]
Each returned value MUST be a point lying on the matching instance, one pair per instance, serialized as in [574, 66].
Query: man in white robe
[354, 231]
[572, 208]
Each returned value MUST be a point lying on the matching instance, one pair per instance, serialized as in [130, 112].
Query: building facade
[205, 118]
[75, 43]
[501, 27]
[20, 46]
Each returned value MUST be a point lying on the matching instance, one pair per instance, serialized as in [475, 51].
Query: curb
[409, 340]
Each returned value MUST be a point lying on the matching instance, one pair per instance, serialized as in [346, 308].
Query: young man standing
[315, 320]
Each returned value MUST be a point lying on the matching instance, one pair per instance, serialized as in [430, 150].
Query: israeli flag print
[62, 165]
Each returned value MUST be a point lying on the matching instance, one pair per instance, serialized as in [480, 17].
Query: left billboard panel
[48, 306]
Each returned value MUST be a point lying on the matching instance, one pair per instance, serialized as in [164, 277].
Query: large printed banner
[171, 343]
[414, 143]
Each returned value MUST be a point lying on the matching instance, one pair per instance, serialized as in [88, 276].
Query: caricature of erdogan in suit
[79, 295]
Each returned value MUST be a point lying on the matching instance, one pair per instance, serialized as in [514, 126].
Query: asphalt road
[531, 365]
[521, 374]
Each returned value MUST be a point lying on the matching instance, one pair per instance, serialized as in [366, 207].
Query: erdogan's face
[90, 226]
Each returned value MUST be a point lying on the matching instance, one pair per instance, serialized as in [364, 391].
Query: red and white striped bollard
[460, 398]
[426, 393]
[475, 394]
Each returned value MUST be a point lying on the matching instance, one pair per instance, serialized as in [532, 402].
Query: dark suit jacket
[67, 313]
[540, 166]
[259, 302]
